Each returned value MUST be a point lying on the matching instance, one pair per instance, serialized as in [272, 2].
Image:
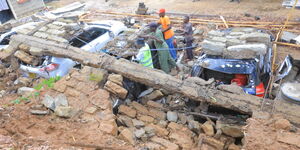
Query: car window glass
[87, 36]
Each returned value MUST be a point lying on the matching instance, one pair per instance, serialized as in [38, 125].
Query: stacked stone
[57, 31]
[239, 43]
[153, 125]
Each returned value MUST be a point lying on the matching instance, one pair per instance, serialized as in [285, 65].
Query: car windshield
[87, 36]
[6, 39]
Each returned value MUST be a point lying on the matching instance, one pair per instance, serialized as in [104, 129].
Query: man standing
[188, 37]
[167, 31]
[165, 60]
[144, 56]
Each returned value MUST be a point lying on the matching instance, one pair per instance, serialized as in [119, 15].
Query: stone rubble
[240, 43]
[149, 123]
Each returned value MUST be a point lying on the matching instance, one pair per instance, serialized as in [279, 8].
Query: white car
[93, 37]
[5, 37]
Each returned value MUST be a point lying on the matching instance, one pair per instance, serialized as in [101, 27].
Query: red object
[260, 90]
[162, 11]
[240, 79]
[50, 67]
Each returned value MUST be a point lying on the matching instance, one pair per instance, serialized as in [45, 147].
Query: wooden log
[243, 103]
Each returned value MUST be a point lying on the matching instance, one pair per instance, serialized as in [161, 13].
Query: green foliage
[45, 83]
[20, 99]
[96, 77]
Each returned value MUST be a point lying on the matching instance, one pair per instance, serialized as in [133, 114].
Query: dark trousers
[189, 51]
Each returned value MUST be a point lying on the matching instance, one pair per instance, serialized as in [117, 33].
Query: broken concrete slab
[245, 51]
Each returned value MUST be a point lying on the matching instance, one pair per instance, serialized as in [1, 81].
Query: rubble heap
[161, 121]
[237, 43]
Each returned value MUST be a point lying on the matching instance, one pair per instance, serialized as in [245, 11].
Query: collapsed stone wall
[237, 43]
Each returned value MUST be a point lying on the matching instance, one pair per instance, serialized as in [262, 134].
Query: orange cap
[162, 10]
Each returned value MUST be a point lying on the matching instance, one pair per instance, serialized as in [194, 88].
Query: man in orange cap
[167, 31]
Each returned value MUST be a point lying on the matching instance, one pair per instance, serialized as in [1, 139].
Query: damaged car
[92, 37]
[239, 56]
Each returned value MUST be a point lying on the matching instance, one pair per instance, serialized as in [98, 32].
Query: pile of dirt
[75, 112]
[275, 133]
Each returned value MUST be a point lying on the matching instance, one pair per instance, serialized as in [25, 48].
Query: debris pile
[237, 43]
[162, 121]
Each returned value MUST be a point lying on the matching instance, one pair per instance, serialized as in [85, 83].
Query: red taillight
[50, 67]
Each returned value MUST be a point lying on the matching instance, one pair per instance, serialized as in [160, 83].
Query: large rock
[35, 51]
[137, 123]
[128, 136]
[139, 133]
[116, 89]
[233, 41]
[65, 112]
[208, 128]
[182, 139]
[49, 102]
[233, 130]
[145, 118]
[172, 116]
[109, 127]
[218, 145]
[61, 100]
[141, 109]
[25, 91]
[219, 39]
[25, 57]
[245, 51]
[157, 94]
[157, 114]
[213, 48]
[282, 124]
[155, 104]
[167, 144]
[160, 131]
[234, 147]
[125, 121]
[127, 111]
[257, 37]
[116, 78]
[194, 126]
[214, 33]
